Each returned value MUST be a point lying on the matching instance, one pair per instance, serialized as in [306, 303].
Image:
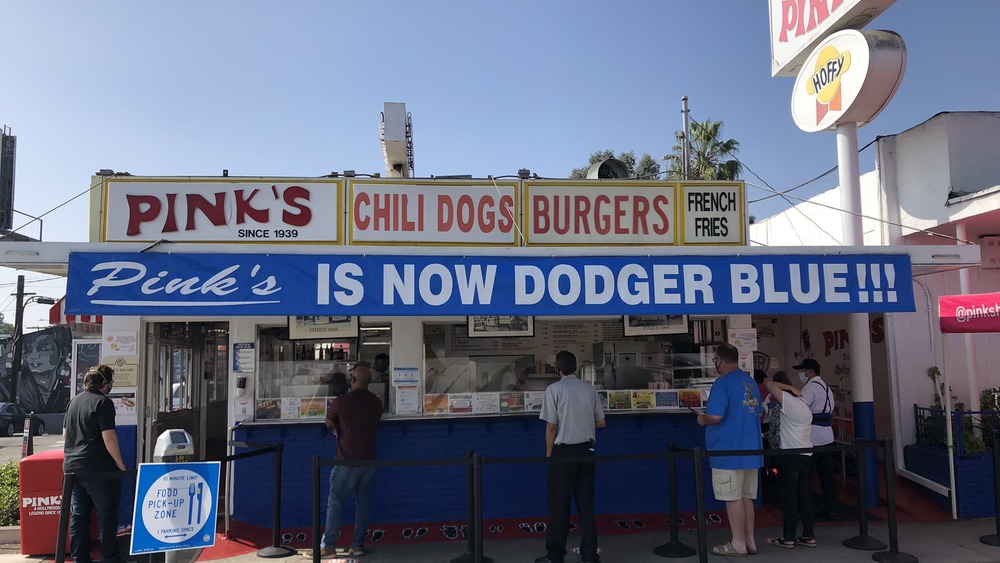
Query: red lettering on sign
[361, 201]
[578, 214]
[294, 197]
[660, 204]
[468, 214]
[540, 214]
[143, 208]
[602, 223]
[137, 215]
[796, 16]
[244, 208]
[620, 212]
[214, 212]
[170, 226]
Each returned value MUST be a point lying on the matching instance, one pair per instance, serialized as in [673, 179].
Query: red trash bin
[41, 479]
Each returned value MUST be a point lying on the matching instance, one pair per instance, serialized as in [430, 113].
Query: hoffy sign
[849, 78]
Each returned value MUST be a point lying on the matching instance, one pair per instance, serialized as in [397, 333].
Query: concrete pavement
[930, 542]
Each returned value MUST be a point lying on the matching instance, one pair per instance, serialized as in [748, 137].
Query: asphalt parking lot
[10, 446]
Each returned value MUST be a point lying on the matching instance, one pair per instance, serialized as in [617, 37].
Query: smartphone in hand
[697, 410]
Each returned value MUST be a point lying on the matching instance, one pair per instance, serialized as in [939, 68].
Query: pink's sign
[218, 210]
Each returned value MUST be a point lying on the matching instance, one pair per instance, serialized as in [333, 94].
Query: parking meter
[174, 445]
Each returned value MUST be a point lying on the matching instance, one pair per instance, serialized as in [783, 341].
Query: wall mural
[43, 383]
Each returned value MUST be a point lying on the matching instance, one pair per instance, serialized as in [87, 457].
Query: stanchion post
[470, 513]
[315, 510]
[67, 493]
[862, 541]
[477, 531]
[893, 555]
[699, 497]
[673, 548]
[28, 447]
[994, 539]
[276, 550]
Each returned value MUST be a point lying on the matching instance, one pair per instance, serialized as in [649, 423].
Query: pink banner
[979, 312]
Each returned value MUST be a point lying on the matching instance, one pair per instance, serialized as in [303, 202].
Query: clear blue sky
[295, 88]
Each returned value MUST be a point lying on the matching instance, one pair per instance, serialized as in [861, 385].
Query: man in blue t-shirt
[732, 422]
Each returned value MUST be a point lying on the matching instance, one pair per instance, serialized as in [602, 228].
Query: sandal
[751, 551]
[782, 542]
[807, 542]
[727, 550]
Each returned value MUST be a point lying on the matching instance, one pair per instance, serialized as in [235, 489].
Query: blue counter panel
[423, 493]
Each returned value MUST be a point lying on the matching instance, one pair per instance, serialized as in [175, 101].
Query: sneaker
[325, 552]
[353, 551]
[807, 542]
[782, 543]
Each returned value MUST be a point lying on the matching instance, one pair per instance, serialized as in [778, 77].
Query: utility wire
[68, 201]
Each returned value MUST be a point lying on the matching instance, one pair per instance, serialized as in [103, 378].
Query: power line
[68, 201]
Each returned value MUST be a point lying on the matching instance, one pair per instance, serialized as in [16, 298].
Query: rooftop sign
[798, 26]
[849, 78]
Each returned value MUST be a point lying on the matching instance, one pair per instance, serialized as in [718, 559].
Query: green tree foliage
[5, 327]
[647, 167]
[711, 157]
[10, 498]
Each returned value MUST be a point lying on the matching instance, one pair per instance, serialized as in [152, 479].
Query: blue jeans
[343, 480]
[88, 494]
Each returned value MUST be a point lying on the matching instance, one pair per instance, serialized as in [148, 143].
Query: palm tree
[708, 154]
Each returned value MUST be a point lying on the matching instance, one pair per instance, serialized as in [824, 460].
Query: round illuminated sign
[848, 78]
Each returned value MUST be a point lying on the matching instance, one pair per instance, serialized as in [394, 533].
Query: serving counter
[436, 493]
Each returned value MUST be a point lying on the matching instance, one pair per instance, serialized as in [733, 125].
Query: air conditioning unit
[990, 251]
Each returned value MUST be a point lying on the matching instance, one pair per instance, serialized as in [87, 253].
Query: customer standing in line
[732, 422]
[572, 412]
[90, 448]
[793, 469]
[818, 395]
[353, 417]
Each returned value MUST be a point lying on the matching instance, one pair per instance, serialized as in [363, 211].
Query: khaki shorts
[734, 484]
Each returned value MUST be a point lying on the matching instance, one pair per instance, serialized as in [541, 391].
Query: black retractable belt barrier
[275, 550]
[994, 539]
[699, 486]
[893, 555]
[315, 510]
[862, 541]
[474, 503]
[477, 529]
[67, 492]
[673, 548]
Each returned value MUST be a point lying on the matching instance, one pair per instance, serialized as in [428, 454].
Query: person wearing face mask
[818, 395]
[91, 447]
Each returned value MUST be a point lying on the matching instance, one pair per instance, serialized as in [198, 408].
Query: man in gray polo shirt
[572, 411]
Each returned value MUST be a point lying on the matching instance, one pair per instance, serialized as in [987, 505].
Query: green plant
[10, 494]
[932, 428]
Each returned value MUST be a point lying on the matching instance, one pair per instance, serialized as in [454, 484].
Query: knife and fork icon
[191, 496]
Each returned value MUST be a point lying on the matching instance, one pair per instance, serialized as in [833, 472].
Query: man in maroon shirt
[353, 417]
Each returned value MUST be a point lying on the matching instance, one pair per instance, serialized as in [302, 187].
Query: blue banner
[299, 284]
